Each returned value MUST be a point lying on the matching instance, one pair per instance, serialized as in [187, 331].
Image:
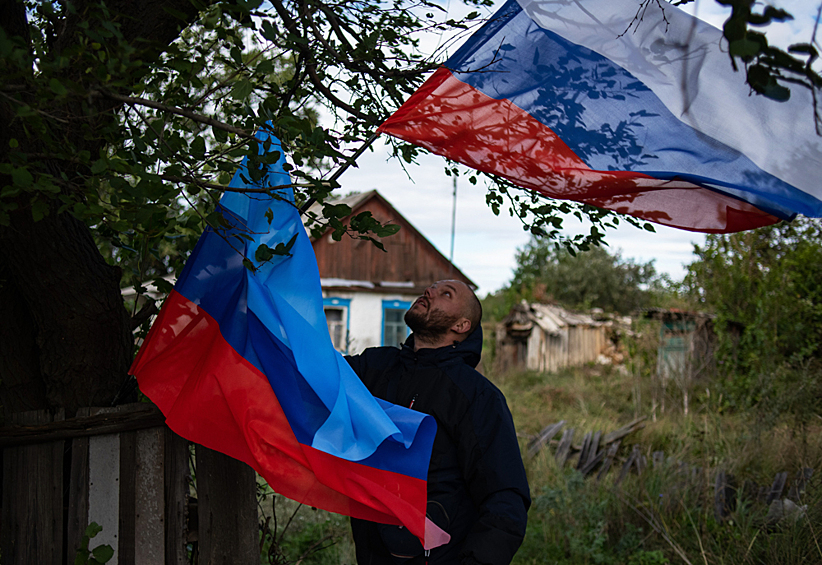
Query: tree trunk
[65, 336]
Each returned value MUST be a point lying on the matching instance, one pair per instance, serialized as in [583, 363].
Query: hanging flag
[240, 360]
[640, 113]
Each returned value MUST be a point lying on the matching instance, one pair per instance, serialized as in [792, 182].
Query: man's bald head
[447, 311]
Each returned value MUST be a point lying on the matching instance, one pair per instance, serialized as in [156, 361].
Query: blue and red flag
[240, 360]
[581, 100]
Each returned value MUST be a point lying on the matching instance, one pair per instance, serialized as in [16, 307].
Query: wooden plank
[32, 516]
[630, 428]
[128, 417]
[777, 487]
[149, 542]
[227, 507]
[626, 467]
[610, 454]
[591, 464]
[77, 518]
[546, 435]
[104, 491]
[583, 451]
[594, 450]
[127, 498]
[176, 497]
[564, 447]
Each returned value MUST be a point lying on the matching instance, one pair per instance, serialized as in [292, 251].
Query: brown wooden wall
[408, 257]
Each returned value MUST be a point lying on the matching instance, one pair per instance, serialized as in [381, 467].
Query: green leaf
[99, 166]
[744, 48]
[269, 215]
[264, 253]
[242, 90]
[57, 87]
[93, 529]
[103, 553]
[13, 143]
[39, 210]
[21, 177]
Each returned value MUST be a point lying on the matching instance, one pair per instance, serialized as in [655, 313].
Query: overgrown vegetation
[667, 514]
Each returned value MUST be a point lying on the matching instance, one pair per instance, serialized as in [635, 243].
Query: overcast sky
[485, 245]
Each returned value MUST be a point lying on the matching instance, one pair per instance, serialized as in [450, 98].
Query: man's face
[438, 309]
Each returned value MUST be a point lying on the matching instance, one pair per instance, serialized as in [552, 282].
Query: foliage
[308, 536]
[590, 279]
[97, 556]
[765, 286]
[769, 70]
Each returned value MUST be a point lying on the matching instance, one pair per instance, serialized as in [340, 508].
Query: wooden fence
[125, 470]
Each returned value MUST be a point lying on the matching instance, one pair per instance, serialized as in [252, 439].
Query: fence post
[227, 507]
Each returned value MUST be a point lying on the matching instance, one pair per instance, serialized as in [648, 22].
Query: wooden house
[366, 291]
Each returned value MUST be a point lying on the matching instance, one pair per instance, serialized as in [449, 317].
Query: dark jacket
[477, 489]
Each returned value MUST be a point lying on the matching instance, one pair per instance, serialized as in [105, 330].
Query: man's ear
[462, 326]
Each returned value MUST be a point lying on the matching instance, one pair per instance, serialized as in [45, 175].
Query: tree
[768, 282]
[120, 123]
[589, 279]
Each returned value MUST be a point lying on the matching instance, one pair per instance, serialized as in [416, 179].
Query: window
[394, 330]
[336, 316]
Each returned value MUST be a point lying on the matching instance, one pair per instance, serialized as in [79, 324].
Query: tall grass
[667, 514]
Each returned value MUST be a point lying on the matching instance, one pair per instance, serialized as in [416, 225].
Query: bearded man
[477, 489]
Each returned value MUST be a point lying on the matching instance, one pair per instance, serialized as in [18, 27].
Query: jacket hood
[468, 350]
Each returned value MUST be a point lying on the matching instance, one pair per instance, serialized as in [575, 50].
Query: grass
[664, 516]
[667, 514]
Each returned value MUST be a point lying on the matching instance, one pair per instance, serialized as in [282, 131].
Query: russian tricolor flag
[240, 360]
[580, 100]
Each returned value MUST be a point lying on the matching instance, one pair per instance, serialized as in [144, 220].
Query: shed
[686, 343]
[546, 337]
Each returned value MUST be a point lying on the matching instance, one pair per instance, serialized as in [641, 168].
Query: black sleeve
[493, 470]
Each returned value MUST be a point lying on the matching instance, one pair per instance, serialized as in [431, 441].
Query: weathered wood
[127, 498]
[583, 451]
[32, 514]
[777, 487]
[149, 539]
[130, 417]
[624, 430]
[564, 447]
[223, 483]
[104, 490]
[724, 495]
[610, 454]
[176, 497]
[592, 463]
[595, 443]
[546, 435]
[626, 467]
[77, 518]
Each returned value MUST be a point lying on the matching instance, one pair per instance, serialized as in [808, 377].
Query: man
[477, 489]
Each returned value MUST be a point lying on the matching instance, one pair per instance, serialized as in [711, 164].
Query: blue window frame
[394, 330]
[336, 316]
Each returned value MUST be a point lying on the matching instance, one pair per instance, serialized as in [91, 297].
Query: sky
[485, 245]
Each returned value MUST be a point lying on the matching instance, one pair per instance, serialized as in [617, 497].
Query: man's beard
[431, 325]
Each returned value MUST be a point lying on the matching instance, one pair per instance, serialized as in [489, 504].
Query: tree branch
[134, 101]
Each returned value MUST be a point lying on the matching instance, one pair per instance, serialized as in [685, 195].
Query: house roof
[408, 247]
[548, 317]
